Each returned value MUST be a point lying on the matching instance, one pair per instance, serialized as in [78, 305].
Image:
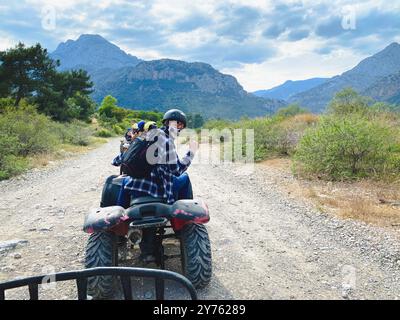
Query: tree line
[28, 73]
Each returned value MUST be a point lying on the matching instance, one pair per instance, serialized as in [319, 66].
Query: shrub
[75, 133]
[81, 106]
[290, 110]
[273, 136]
[24, 132]
[278, 135]
[11, 165]
[32, 130]
[347, 147]
[104, 133]
[117, 129]
[9, 162]
[81, 136]
[285, 135]
[348, 102]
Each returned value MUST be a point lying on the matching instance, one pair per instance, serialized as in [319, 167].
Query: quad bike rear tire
[196, 254]
[101, 251]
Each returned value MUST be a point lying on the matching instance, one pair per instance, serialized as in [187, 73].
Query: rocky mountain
[194, 87]
[160, 84]
[385, 89]
[289, 88]
[368, 72]
[92, 53]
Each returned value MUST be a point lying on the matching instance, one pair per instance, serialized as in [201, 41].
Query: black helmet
[174, 114]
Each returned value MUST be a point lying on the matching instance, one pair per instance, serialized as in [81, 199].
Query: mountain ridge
[92, 52]
[362, 76]
[289, 88]
[160, 84]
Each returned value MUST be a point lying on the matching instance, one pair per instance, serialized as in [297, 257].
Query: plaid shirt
[167, 165]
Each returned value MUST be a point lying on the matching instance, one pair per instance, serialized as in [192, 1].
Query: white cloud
[6, 42]
[149, 30]
[294, 67]
[191, 39]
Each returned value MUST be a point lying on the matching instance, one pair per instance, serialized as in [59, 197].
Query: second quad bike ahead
[110, 226]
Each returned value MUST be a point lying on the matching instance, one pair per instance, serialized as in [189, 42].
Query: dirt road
[265, 245]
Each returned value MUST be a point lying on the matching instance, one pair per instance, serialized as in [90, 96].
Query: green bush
[24, 132]
[32, 130]
[290, 110]
[284, 135]
[116, 119]
[273, 136]
[103, 133]
[347, 102]
[81, 137]
[348, 147]
[10, 163]
[81, 106]
[76, 133]
[118, 129]
[261, 127]
[64, 133]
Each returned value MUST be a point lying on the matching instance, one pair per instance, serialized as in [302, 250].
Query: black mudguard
[111, 190]
[106, 218]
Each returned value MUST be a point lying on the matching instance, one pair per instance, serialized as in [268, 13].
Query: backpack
[134, 162]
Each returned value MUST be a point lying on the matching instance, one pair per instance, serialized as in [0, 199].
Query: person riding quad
[118, 159]
[132, 133]
[167, 180]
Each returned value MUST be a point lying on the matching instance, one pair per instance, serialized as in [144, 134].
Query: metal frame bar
[81, 276]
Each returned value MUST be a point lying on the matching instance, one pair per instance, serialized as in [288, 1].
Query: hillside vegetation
[44, 112]
[354, 139]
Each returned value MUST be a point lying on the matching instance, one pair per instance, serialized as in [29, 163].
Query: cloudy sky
[262, 43]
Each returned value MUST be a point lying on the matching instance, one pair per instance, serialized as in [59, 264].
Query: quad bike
[111, 227]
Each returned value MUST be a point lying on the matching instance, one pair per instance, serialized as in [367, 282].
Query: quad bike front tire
[196, 254]
[101, 251]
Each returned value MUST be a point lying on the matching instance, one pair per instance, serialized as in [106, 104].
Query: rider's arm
[173, 164]
[117, 160]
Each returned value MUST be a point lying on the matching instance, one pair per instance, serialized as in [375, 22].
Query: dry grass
[40, 160]
[370, 211]
[277, 163]
[373, 202]
[307, 118]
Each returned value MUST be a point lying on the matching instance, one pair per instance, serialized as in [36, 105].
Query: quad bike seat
[149, 199]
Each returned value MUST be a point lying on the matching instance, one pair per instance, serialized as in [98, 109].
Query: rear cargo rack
[80, 276]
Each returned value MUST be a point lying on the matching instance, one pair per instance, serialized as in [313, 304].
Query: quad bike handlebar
[81, 277]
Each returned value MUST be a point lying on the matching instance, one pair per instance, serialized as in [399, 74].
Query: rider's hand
[193, 146]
